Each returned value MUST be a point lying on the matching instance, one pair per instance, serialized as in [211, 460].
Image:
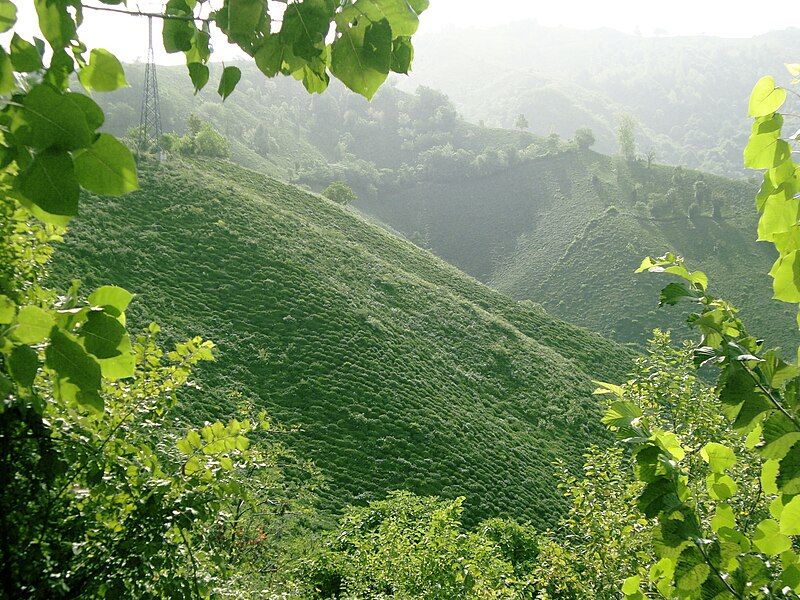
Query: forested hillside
[688, 94]
[401, 372]
[544, 219]
[568, 230]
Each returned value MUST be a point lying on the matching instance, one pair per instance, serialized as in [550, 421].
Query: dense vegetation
[541, 219]
[397, 368]
[567, 231]
[685, 93]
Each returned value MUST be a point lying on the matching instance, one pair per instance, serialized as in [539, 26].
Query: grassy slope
[402, 372]
[545, 231]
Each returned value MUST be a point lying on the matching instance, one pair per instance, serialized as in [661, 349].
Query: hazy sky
[127, 36]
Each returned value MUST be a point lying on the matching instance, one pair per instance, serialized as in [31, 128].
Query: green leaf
[55, 22]
[71, 362]
[780, 434]
[198, 73]
[766, 98]
[721, 486]
[50, 183]
[621, 414]
[178, 34]
[400, 14]
[8, 15]
[102, 335]
[765, 149]
[227, 83]
[362, 55]
[104, 73]
[107, 167]
[631, 588]
[402, 55]
[32, 325]
[305, 27]
[91, 111]
[719, 458]
[7, 81]
[691, 570]
[23, 363]
[790, 517]
[51, 118]
[7, 310]
[723, 517]
[270, 55]
[111, 296]
[24, 56]
[788, 479]
[769, 539]
[240, 19]
[786, 278]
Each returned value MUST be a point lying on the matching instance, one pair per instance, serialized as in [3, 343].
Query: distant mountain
[688, 94]
[402, 372]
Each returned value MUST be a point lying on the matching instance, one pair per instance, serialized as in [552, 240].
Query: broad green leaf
[102, 335]
[691, 570]
[766, 98]
[121, 366]
[400, 15]
[71, 362]
[91, 111]
[786, 274]
[104, 73]
[765, 149]
[177, 34]
[24, 56]
[670, 443]
[779, 214]
[769, 539]
[8, 15]
[50, 183]
[23, 363]
[402, 55]
[790, 517]
[723, 517]
[362, 55]
[631, 588]
[621, 414]
[270, 56]
[721, 486]
[7, 310]
[32, 325]
[227, 83]
[305, 27]
[719, 458]
[788, 480]
[111, 296]
[240, 19]
[55, 23]
[780, 434]
[769, 475]
[7, 81]
[199, 74]
[107, 167]
[51, 118]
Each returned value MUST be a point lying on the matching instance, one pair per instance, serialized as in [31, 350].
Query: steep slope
[401, 371]
[689, 94]
[568, 230]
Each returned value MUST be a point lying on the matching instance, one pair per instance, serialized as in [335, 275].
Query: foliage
[584, 138]
[340, 192]
[726, 503]
[413, 547]
[97, 499]
[522, 122]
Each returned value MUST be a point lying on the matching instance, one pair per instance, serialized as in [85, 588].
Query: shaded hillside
[568, 231]
[401, 371]
[689, 94]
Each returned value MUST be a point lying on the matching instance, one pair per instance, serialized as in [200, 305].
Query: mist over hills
[688, 94]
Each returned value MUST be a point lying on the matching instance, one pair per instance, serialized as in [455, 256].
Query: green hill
[401, 371]
[568, 230]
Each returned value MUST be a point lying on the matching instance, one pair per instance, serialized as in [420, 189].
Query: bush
[340, 192]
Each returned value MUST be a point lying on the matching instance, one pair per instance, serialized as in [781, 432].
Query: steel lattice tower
[150, 120]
